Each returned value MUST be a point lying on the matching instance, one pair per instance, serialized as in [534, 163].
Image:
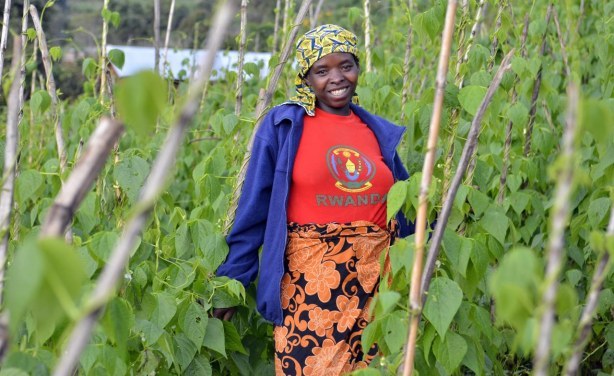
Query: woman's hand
[224, 313]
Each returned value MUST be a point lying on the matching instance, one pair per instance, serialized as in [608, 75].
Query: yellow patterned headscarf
[311, 47]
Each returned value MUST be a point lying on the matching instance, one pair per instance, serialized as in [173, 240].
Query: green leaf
[214, 252]
[514, 285]
[443, 300]
[371, 333]
[519, 65]
[130, 174]
[496, 224]
[458, 250]
[31, 34]
[214, 336]
[479, 202]
[102, 245]
[117, 57]
[451, 351]
[140, 100]
[470, 98]
[386, 301]
[518, 114]
[185, 350]
[23, 281]
[118, 320]
[229, 122]
[40, 101]
[597, 210]
[519, 201]
[232, 338]
[164, 310]
[56, 53]
[200, 366]
[12, 372]
[396, 199]
[396, 331]
[193, 322]
[27, 186]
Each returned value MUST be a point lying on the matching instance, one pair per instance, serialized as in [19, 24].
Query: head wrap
[311, 47]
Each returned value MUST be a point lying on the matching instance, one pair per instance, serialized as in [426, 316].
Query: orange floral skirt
[332, 274]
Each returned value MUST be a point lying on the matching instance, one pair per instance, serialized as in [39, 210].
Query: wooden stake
[415, 301]
[51, 88]
[584, 328]
[368, 53]
[242, 46]
[5, 33]
[558, 222]
[10, 160]
[103, 54]
[152, 189]
[167, 37]
[468, 150]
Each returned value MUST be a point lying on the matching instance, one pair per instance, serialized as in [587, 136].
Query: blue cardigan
[261, 214]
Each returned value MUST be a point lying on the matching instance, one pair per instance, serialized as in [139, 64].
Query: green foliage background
[485, 300]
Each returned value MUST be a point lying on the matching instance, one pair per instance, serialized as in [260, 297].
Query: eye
[347, 67]
[320, 72]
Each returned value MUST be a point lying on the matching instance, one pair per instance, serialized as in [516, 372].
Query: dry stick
[536, 86]
[24, 43]
[415, 302]
[316, 14]
[243, 42]
[555, 247]
[10, 160]
[468, 149]
[276, 27]
[156, 27]
[167, 37]
[405, 93]
[55, 103]
[263, 103]
[80, 181]
[5, 34]
[474, 31]
[562, 43]
[32, 90]
[150, 192]
[368, 53]
[103, 54]
[508, 132]
[586, 320]
[284, 27]
[495, 40]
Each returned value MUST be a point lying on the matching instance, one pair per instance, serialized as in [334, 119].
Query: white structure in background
[182, 63]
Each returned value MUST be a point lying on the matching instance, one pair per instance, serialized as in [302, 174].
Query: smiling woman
[315, 199]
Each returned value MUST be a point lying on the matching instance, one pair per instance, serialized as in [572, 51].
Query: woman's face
[333, 79]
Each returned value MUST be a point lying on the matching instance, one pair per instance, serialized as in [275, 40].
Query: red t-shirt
[339, 173]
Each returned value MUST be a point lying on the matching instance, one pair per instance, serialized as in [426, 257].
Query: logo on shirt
[352, 170]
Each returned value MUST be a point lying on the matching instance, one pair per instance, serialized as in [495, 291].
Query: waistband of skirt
[354, 228]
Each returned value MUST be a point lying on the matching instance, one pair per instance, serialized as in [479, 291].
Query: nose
[336, 76]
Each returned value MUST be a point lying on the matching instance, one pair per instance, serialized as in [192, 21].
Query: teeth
[338, 91]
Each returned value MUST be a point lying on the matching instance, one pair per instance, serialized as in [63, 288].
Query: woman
[315, 200]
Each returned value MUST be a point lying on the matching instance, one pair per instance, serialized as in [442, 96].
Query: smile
[338, 92]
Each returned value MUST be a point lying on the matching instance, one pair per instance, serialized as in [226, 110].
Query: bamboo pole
[562, 43]
[406, 61]
[263, 103]
[151, 191]
[81, 178]
[316, 14]
[463, 164]
[555, 247]
[156, 28]
[10, 160]
[368, 52]
[276, 26]
[584, 328]
[508, 131]
[33, 79]
[51, 88]
[536, 87]
[167, 37]
[472, 35]
[5, 34]
[103, 54]
[242, 43]
[24, 43]
[415, 301]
